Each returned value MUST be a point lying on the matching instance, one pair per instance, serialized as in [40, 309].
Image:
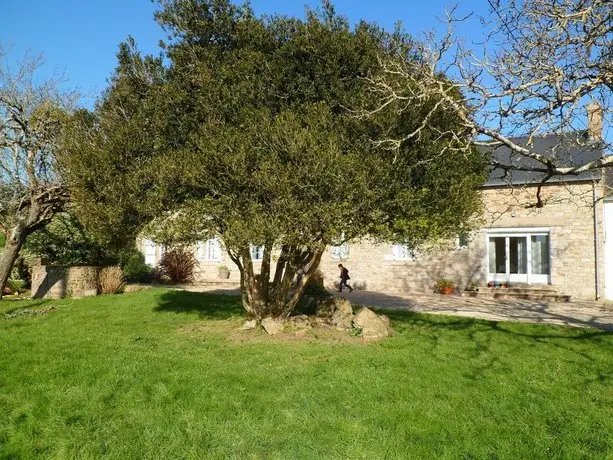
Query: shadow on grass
[407, 320]
[207, 305]
[482, 334]
[20, 304]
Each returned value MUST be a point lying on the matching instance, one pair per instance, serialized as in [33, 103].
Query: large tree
[250, 132]
[545, 67]
[32, 114]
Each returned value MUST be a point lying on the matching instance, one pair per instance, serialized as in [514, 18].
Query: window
[211, 250]
[519, 255]
[340, 252]
[462, 240]
[257, 252]
[403, 252]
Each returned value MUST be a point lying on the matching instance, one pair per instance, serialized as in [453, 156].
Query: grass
[160, 374]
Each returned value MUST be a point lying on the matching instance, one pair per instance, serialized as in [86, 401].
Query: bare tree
[544, 67]
[31, 117]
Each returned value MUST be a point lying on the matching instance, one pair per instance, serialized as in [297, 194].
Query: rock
[337, 312]
[325, 308]
[249, 325]
[300, 321]
[342, 315]
[272, 326]
[385, 319]
[372, 325]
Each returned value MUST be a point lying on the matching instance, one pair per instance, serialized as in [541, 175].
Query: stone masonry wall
[568, 214]
[57, 282]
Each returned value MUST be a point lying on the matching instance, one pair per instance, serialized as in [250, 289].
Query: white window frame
[256, 253]
[403, 252]
[525, 232]
[211, 250]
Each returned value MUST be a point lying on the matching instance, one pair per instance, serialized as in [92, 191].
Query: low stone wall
[58, 281]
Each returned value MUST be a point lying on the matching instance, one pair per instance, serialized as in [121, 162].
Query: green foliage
[178, 265]
[134, 268]
[21, 271]
[16, 286]
[65, 241]
[250, 131]
[442, 284]
[315, 290]
[315, 286]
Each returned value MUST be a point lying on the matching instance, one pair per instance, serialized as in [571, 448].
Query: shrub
[14, 286]
[134, 268]
[442, 285]
[315, 290]
[111, 280]
[177, 265]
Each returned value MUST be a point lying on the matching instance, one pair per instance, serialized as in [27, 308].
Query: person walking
[344, 277]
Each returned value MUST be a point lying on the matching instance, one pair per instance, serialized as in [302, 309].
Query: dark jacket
[345, 274]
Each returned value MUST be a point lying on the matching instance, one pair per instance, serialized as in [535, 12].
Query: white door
[518, 257]
[608, 250]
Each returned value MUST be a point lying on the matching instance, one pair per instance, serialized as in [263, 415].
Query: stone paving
[576, 313]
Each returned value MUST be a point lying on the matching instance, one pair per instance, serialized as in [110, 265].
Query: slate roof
[568, 150]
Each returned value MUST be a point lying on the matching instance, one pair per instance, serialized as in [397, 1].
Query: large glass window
[497, 254]
[518, 254]
[521, 257]
[540, 254]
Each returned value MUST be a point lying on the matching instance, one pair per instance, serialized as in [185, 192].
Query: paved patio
[576, 314]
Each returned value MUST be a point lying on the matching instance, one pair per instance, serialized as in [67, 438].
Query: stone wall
[567, 215]
[57, 281]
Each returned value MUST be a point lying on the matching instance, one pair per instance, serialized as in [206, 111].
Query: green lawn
[165, 374]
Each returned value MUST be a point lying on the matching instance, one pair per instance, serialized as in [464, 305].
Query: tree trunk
[9, 254]
[34, 212]
[263, 297]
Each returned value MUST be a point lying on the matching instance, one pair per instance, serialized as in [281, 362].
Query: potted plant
[443, 286]
[223, 272]
[472, 286]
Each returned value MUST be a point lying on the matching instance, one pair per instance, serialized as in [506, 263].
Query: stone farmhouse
[563, 247]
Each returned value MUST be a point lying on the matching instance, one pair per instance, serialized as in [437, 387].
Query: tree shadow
[207, 305]
[55, 278]
[573, 314]
[482, 356]
[30, 305]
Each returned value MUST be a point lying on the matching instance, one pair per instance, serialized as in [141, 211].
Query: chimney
[594, 121]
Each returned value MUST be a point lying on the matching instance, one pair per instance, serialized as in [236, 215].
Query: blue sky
[79, 38]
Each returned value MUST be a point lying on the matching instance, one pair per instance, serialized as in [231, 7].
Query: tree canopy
[32, 117]
[247, 127]
[541, 67]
